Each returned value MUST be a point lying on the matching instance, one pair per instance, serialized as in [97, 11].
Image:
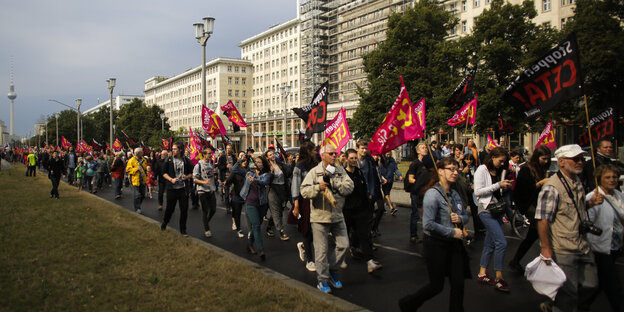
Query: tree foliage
[142, 123]
[415, 48]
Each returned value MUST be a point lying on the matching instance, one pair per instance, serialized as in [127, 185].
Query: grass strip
[81, 253]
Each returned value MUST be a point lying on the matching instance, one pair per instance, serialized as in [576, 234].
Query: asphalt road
[404, 269]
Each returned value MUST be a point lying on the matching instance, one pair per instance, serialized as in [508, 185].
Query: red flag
[117, 146]
[165, 144]
[96, 145]
[337, 132]
[547, 137]
[211, 123]
[194, 147]
[399, 126]
[128, 139]
[467, 113]
[233, 114]
[65, 143]
[491, 144]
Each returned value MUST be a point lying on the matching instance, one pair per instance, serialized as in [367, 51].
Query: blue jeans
[139, 195]
[255, 214]
[118, 184]
[495, 242]
[415, 215]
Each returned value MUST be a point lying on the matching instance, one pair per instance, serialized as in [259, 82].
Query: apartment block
[275, 58]
[180, 96]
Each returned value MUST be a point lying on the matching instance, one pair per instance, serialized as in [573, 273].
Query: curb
[309, 290]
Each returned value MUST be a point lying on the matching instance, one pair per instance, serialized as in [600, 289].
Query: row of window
[273, 88]
[237, 93]
[243, 69]
[274, 50]
[268, 40]
[291, 99]
[236, 80]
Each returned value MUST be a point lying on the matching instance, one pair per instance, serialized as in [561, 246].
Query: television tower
[12, 95]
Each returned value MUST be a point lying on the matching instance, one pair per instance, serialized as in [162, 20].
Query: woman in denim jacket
[443, 218]
[254, 193]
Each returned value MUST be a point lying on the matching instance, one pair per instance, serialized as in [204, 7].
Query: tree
[142, 123]
[505, 41]
[416, 48]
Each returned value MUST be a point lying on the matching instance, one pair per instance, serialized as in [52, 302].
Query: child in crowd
[151, 182]
[80, 173]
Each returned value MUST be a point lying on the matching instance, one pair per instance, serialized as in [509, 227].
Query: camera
[589, 227]
[327, 179]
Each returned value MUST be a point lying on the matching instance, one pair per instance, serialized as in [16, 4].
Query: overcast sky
[67, 49]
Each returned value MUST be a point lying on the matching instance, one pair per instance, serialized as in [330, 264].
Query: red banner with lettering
[194, 147]
[399, 126]
[64, 143]
[337, 132]
[554, 78]
[547, 137]
[490, 143]
[117, 146]
[468, 113]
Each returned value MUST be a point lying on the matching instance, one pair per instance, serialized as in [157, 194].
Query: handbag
[497, 209]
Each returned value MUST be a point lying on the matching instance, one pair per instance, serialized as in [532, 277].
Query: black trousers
[177, 196]
[528, 241]
[55, 183]
[162, 187]
[209, 206]
[608, 280]
[237, 208]
[359, 229]
[443, 258]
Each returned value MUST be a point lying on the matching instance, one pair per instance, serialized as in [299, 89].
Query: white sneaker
[234, 227]
[373, 265]
[344, 264]
[208, 234]
[240, 234]
[302, 254]
[138, 211]
[311, 266]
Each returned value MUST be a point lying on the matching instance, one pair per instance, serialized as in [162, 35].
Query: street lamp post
[56, 115]
[162, 124]
[78, 103]
[285, 91]
[110, 83]
[46, 131]
[202, 33]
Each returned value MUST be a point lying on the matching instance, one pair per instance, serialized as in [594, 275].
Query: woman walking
[389, 169]
[488, 186]
[443, 218]
[237, 180]
[254, 193]
[301, 206]
[609, 217]
[278, 195]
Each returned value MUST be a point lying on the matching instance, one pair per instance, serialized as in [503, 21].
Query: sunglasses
[332, 153]
[576, 159]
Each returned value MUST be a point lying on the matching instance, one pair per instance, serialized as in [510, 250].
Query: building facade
[275, 56]
[118, 102]
[180, 96]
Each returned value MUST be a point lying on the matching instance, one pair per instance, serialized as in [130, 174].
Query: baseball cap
[569, 151]
[271, 146]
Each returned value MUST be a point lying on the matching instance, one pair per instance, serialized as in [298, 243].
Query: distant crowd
[337, 199]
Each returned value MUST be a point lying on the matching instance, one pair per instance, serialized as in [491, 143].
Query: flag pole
[591, 144]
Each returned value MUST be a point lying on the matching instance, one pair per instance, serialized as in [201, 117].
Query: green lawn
[81, 253]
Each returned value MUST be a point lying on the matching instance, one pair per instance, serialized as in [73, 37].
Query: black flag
[315, 114]
[502, 127]
[462, 93]
[603, 126]
[128, 139]
[554, 78]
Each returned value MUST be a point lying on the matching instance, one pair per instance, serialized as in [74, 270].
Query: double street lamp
[285, 91]
[162, 125]
[110, 84]
[202, 33]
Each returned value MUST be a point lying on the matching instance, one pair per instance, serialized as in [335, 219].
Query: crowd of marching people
[336, 200]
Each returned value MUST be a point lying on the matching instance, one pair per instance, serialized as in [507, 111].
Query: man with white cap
[562, 226]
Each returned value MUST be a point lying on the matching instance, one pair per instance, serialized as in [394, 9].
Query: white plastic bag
[546, 279]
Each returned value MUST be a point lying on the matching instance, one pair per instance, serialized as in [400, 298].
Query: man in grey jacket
[322, 184]
[203, 174]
